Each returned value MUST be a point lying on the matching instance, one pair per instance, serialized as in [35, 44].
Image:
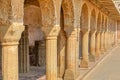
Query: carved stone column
[104, 35]
[24, 52]
[62, 40]
[92, 45]
[102, 42]
[9, 41]
[70, 72]
[77, 51]
[51, 34]
[114, 41]
[105, 41]
[85, 54]
[10, 60]
[110, 41]
[98, 51]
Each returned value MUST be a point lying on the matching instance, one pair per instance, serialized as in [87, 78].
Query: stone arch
[68, 13]
[93, 20]
[92, 31]
[84, 17]
[48, 14]
[84, 27]
[99, 22]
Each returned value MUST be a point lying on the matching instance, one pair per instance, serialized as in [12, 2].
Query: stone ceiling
[108, 7]
[31, 2]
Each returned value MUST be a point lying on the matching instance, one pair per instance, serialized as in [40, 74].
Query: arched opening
[102, 34]
[66, 24]
[84, 17]
[32, 49]
[83, 26]
[97, 48]
[93, 20]
[80, 45]
[85, 37]
[62, 40]
[105, 33]
[92, 35]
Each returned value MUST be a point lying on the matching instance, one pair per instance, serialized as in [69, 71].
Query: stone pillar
[114, 39]
[51, 57]
[70, 72]
[51, 34]
[61, 53]
[102, 42]
[9, 44]
[24, 52]
[109, 39]
[106, 41]
[9, 61]
[92, 45]
[98, 52]
[85, 54]
[77, 52]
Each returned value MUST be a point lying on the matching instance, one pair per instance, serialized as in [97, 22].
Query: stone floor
[36, 73]
[82, 72]
[108, 69]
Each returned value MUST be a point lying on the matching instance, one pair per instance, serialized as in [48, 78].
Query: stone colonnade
[11, 31]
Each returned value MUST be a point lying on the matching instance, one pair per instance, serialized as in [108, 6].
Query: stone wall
[32, 18]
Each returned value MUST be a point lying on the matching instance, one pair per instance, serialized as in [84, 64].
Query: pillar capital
[93, 31]
[106, 31]
[11, 33]
[85, 30]
[98, 32]
[9, 43]
[102, 31]
[73, 33]
[51, 32]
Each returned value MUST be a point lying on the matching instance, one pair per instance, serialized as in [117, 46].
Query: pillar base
[92, 58]
[102, 51]
[69, 75]
[98, 54]
[60, 72]
[84, 64]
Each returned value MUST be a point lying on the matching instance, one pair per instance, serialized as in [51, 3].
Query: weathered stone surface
[69, 75]
[43, 19]
[23, 52]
